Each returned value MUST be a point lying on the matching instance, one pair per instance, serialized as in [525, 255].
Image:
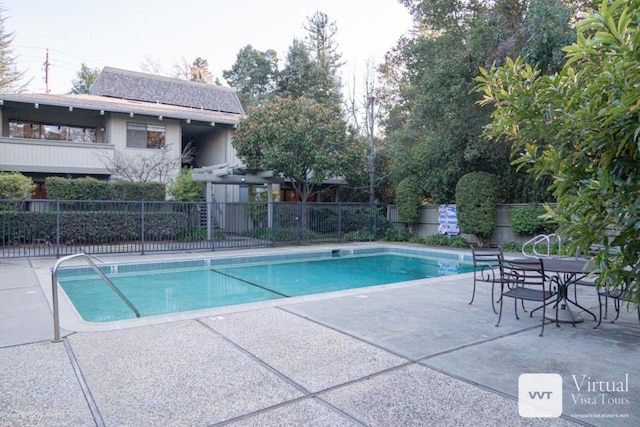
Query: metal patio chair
[486, 268]
[618, 296]
[524, 280]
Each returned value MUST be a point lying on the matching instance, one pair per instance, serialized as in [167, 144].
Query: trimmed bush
[527, 220]
[91, 227]
[408, 198]
[476, 203]
[92, 189]
[14, 185]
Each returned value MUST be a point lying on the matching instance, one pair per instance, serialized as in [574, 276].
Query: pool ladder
[54, 290]
[540, 239]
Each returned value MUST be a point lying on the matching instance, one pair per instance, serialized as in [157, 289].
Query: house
[126, 115]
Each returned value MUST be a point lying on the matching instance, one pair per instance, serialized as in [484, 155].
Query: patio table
[566, 272]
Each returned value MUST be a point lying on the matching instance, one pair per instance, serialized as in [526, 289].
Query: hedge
[93, 189]
[90, 227]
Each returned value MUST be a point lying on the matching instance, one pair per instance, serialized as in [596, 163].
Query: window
[141, 135]
[51, 132]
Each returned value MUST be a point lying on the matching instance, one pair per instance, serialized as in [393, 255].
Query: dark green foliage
[192, 234]
[476, 202]
[409, 197]
[429, 104]
[397, 233]
[253, 75]
[125, 190]
[347, 220]
[527, 220]
[93, 189]
[91, 227]
[442, 240]
[84, 79]
[184, 189]
[359, 236]
[579, 127]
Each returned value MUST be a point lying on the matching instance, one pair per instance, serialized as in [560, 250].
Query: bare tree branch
[152, 165]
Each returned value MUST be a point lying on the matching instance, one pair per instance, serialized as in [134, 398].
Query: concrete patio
[414, 353]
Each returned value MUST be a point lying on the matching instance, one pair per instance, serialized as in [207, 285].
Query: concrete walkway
[400, 355]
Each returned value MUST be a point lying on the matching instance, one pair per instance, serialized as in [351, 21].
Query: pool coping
[71, 321]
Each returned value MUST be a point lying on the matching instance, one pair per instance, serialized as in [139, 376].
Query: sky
[122, 33]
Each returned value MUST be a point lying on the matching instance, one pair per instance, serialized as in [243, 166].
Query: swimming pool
[171, 287]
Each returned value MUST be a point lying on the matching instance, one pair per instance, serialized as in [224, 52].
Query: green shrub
[512, 247]
[92, 189]
[358, 236]
[192, 234]
[442, 240]
[14, 185]
[408, 199]
[184, 189]
[397, 233]
[90, 226]
[476, 202]
[527, 220]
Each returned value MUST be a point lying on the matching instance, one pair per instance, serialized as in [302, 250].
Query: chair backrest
[491, 257]
[525, 272]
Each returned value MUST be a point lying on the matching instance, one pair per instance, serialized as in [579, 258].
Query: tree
[296, 137]
[428, 99]
[323, 50]
[200, 71]
[10, 77]
[153, 165]
[254, 75]
[581, 127]
[297, 76]
[84, 79]
[196, 71]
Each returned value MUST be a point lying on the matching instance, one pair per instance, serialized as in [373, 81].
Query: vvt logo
[540, 395]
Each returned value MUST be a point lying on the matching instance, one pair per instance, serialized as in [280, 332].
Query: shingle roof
[130, 85]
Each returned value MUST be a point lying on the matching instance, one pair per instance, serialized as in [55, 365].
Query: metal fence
[64, 227]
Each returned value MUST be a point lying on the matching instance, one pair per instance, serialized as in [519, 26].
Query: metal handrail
[54, 290]
[538, 239]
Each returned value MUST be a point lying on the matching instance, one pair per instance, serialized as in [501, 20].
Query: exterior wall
[428, 224]
[215, 149]
[116, 133]
[55, 157]
[31, 155]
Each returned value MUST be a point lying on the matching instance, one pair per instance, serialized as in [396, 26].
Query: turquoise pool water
[192, 288]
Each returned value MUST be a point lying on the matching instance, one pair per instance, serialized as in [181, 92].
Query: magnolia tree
[581, 126]
[300, 139]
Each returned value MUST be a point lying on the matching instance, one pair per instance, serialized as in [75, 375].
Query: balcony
[44, 156]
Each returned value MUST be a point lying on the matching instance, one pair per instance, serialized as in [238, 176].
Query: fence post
[339, 221]
[58, 228]
[298, 221]
[142, 230]
[211, 226]
[375, 221]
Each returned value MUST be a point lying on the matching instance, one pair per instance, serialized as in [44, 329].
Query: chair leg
[544, 312]
[500, 314]
[600, 309]
[473, 294]
[493, 298]
[515, 307]
[616, 306]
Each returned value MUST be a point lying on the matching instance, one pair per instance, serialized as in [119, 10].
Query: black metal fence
[64, 227]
